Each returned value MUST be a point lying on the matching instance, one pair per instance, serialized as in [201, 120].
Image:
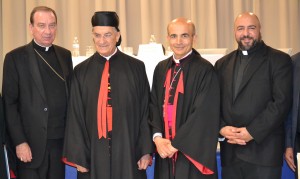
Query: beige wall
[214, 19]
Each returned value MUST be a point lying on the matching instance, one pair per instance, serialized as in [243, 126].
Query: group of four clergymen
[103, 119]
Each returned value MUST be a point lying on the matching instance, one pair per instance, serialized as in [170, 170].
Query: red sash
[104, 114]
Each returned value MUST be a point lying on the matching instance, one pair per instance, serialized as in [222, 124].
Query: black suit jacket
[261, 105]
[25, 99]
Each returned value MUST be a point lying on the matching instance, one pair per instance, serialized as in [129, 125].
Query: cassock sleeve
[77, 141]
[197, 137]
[156, 121]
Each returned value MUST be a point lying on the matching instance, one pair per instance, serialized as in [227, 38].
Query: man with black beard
[256, 96]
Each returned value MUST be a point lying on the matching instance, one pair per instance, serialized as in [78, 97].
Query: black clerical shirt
[55, 91]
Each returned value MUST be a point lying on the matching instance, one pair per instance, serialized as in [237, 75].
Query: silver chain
[49, 65]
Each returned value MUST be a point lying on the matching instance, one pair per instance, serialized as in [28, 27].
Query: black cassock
[197, 118]
[131, 137]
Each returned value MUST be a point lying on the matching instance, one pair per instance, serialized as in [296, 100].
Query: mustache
[246, 37]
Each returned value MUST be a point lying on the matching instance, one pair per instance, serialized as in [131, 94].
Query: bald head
[247, 16]
[247, 30]
[181, 36]
[182, 21]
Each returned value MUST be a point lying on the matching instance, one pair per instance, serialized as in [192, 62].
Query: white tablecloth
[77, 60]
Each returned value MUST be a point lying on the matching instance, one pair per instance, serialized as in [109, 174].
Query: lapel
[228, 78]
[254, 63]
[34, 70]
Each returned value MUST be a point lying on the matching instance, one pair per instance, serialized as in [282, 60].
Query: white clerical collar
[46, 48]
[178, 60]
[245, 52]
[108, 57]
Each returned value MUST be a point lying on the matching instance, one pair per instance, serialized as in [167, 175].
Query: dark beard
[242, 47]
[255, 41]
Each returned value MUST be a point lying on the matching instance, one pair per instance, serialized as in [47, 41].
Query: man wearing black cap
[35, 90]
[107, 134]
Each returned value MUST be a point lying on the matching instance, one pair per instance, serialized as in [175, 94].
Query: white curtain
[139, 19]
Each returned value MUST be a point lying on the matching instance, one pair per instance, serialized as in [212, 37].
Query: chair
[212, 54]
[286, 50]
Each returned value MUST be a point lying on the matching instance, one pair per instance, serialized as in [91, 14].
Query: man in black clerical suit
[107, 134]
[36, 80]
[256, 95]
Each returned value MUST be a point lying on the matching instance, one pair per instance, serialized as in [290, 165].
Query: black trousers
[245, 170]
[83, 175]
[52, 166]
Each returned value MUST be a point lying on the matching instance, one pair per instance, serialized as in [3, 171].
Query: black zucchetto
[106, 18]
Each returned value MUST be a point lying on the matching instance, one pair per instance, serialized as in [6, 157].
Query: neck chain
[174, 77]
[49, 65]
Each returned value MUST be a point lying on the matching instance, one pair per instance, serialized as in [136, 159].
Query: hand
[81, 169]
[237, 141]
[229, 132]
[172, 149]
[144, 162]
[289, 157]
[243, 134]
[233, 135]
[162, 146]
[23, 152]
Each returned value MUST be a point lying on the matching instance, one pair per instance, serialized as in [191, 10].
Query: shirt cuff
[221, 139]
[157, 134]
